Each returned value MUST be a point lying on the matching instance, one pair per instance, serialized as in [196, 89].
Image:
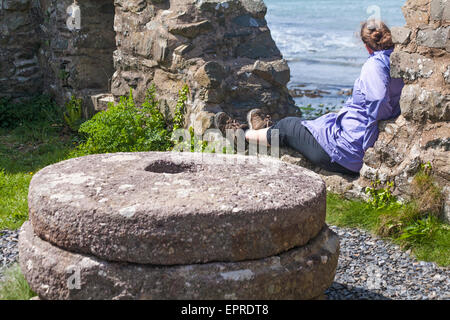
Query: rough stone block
[211, 74]
[440, 10]
[191, 30]
[277, 72]
[433, 38]
[411, 66]
[420, 104]
[400, 35]
[416, 12]
[102, 101]
[300, 273]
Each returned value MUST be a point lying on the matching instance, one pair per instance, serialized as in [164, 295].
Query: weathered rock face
[176, 208]
[177, 226]
[20, 72]
[223, 50]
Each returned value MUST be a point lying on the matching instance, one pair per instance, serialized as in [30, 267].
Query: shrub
[411, 222]
[180, 110]
[126, 127]
[419, 230]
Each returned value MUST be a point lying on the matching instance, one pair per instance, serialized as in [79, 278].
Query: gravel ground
[369, 268]
[9, 251]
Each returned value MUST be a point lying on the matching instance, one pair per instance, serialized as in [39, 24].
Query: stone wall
[20, 73]
[38, 53]
[77, 62]
[222, 50]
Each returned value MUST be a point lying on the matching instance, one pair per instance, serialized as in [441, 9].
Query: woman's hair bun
[376, 35]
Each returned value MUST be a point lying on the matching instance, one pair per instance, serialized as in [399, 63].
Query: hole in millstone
[165, 166]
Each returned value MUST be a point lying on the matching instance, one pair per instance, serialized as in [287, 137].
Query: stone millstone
[176, 208]
[300, 273]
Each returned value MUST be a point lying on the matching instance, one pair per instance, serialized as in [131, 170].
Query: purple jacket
[346, 135]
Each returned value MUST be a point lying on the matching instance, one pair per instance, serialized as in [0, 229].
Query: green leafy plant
[180, 110]
[419, 230]
[379, 197]
[126, 127]
[73, 116]
[194, 144]
[63, 74]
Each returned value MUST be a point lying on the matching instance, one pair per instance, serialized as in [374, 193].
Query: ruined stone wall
[422, 133]
[20, 73]
[77, 62]
[39, 54]
[222, 50]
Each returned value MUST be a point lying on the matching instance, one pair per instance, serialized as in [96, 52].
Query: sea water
[320, 41]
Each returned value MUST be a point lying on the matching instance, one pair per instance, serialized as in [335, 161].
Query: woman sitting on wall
[337, 141]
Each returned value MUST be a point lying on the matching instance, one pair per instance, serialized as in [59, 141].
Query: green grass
[350, 213]
[428, 238]
[435, 247]
[14, 286]
[24, 150]
[13, 199]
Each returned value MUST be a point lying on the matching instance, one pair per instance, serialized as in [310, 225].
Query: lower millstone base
[300, 273]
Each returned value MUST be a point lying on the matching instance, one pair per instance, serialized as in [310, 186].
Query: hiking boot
[223, 122]
[257, 120]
